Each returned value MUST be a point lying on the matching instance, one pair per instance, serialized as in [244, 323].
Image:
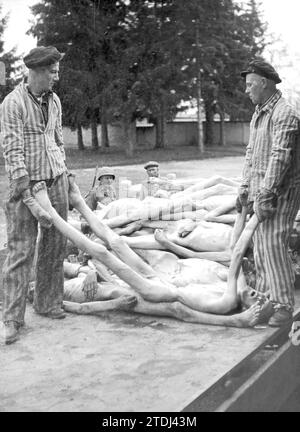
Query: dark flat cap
[42, 56]
[263, 69]
[151, 164]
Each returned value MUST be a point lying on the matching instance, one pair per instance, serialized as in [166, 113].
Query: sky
[282, 17]
[18, 24]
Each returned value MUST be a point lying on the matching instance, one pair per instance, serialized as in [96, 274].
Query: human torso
[207, 236]
[261, 141]
[42, 155]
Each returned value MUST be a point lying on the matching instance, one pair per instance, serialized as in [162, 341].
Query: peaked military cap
[151, 164]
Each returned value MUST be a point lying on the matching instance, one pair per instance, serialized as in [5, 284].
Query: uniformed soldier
[105, 191]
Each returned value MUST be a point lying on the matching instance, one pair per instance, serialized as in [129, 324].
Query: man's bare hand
[265, 204]
[19, 186]
[90, 285]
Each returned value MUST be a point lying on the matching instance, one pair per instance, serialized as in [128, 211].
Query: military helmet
[106, 171]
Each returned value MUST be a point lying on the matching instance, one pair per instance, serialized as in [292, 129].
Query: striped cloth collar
[268, 105]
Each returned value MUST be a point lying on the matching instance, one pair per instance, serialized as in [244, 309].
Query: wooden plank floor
[118, 362]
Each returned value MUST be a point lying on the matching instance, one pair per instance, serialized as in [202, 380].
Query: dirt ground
[119, 361]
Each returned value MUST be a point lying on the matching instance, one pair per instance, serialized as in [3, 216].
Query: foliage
[128, 59]
[10, 60]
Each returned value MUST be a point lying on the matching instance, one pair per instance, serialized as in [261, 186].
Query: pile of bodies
[179, 257]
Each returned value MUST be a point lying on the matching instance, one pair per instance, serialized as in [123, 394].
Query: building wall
[115, 136]
[235, 133]
[176, 134]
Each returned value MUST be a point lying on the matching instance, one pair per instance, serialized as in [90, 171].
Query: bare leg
[161, 237]
[143, 242]
[153, 290]
[214, 190]
[238, 227]
[207, 183]
[125, 302]
[130, 228]
[220, 214]
[115, 242]
[248, 318]
[38, 212]
[229, 300]
[238, 254]
[177, 310]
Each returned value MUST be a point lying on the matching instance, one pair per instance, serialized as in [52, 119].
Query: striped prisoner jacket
[30, 145]
[273, 153]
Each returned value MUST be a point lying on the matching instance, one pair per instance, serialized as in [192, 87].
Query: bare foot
[38, 212]
[75, 197]
[39, 191]
[266, 311]
[126, 302]
[250, 317]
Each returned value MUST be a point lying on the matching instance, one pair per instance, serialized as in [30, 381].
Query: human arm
[284, 136]
[243, 187]
[58, 134]
[90, 286]
[12, 123]
[183, 252]
[247, 164]
[285, 131]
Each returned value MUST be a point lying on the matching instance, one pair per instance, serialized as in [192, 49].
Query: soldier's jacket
[103, 194]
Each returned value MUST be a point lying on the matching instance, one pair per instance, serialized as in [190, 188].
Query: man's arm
[243, 190]
[13, 139]
[58, 134]
[247, 162]
[285, 130]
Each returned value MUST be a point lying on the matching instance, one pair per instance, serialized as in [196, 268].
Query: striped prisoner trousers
[273, 264]
[22, 230]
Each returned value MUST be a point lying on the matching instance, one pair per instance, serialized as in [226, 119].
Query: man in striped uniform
[33, 151]
[271, 181]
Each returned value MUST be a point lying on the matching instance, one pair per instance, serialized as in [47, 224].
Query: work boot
[58, 313]
[281, 317]
[11, 331]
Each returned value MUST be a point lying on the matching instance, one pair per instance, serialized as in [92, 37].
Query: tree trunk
[160, 130]
[200, 141]
[80, 143]
[95, 142]
[209, 136]
[222, 141]
[104, 129]
[132, 136]
[129, 130]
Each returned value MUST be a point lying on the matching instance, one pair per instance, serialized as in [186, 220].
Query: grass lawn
[90, 158]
